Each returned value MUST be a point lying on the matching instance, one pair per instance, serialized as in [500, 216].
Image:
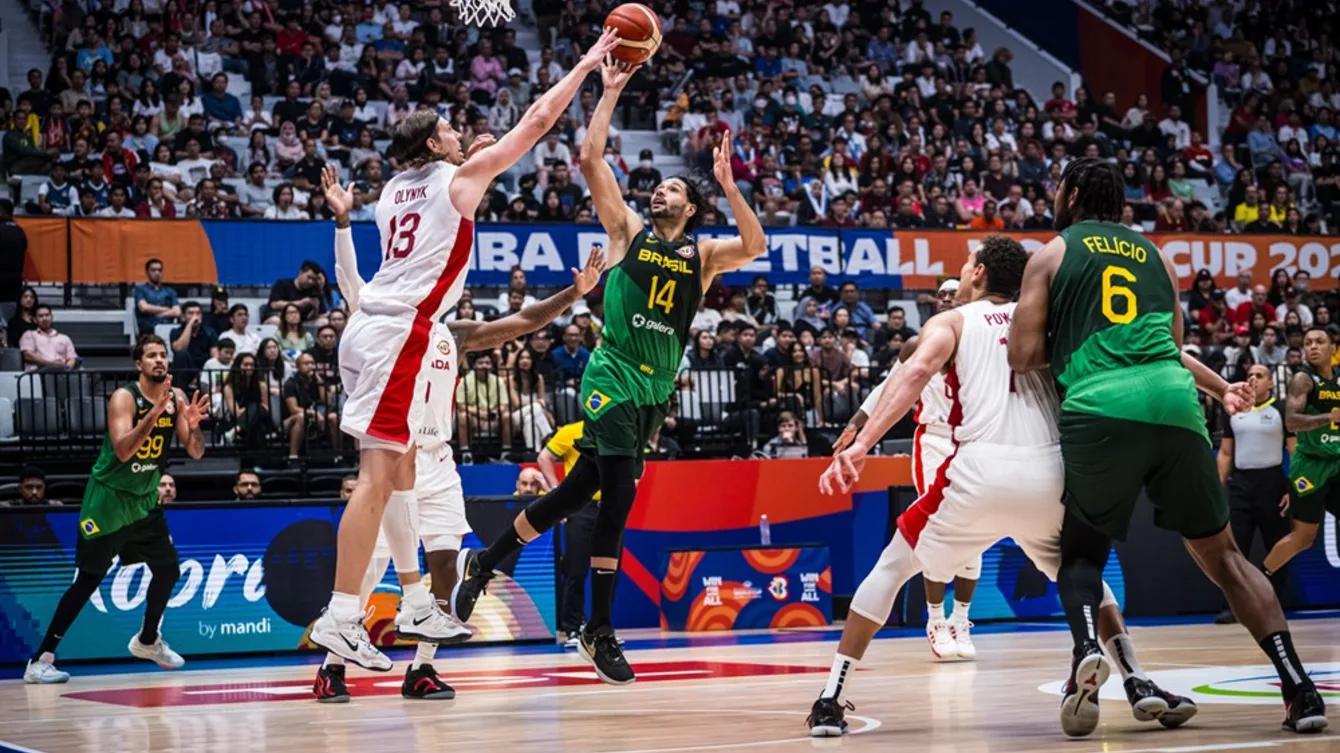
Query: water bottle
[764, 531]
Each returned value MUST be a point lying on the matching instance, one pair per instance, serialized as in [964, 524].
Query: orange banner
[117, 250]
[943, 252]
[48, 238]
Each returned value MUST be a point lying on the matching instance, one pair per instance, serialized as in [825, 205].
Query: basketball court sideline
[714, 693]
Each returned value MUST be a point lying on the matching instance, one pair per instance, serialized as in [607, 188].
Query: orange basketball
[639, 32]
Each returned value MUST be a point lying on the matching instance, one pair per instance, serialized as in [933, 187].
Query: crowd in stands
[850, 114]
[1274, 66]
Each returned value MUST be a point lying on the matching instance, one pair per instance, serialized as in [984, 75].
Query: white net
[484, 12]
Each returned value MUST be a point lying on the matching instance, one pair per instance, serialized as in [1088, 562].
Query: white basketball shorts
[930, 449]
[981, 494]
[439, 503]
[383, 364]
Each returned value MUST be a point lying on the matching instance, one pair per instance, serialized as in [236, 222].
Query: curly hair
[696, 189]
[1004, 260]
[1098, 187]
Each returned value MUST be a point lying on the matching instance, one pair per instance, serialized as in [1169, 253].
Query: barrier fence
[715, 411]
[258, 252]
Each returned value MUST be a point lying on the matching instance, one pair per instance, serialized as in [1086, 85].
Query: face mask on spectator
[760, 103]
[790, 99]
[647, 163]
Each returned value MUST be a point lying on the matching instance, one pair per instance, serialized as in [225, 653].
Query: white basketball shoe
[158, 652]
[348, 639]
[962, 632]
[941, 639]
[42, 671]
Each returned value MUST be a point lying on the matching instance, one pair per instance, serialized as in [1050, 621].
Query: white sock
[935, 611]
[837, 676]
[961, 610]
[1121, 651]
[333, 660]
[416, 595]
[424, 654]
[344, 606]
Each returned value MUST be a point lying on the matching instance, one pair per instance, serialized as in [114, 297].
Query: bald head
[530, 482]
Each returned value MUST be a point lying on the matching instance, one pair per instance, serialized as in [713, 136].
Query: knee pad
[972, 570]
[400, 524]
[443, 542]
[874, 597]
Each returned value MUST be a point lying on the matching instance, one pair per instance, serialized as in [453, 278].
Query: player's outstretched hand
[843, 472]
[614, 74]
[609, 39]
[195, 411]
[1238, 398]
[721, 162]
[339, 199]
[585, 280]
[166, 398]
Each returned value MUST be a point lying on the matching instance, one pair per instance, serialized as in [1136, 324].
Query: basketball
[639, 32]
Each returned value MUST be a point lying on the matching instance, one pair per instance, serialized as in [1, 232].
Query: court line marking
[8, 747]
[1322, 738]
[869, 724]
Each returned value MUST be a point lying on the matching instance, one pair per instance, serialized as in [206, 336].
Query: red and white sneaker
[941, 638]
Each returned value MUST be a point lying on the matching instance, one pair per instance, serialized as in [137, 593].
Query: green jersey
[1110, 330]
[651, 297]
[1324, 397]
[136, 480]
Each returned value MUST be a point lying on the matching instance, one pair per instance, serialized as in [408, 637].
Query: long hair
[409, 138]
[276, 367]
[1098, 187]
[241, 382]
[696, 191]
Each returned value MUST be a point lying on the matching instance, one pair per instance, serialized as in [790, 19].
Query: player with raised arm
[121, 515]
[657, 276]
[436, 503]
[1002, 478]
[950, 639]
[1099, 304]
[427, 236]
[1313, 414]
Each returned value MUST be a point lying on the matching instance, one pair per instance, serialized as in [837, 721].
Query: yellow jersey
[562, 446]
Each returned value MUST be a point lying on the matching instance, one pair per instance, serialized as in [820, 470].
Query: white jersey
[990, 403]
[932, 410]
[442, 373]
[426, 246]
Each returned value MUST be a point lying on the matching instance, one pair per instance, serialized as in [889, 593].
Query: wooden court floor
[698, 698]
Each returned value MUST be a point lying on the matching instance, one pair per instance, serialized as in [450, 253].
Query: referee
[1251, 465]
[578, 530]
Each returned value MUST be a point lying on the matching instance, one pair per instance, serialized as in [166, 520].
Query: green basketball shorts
[1314, 488]
[623, 406]
[1108, 460]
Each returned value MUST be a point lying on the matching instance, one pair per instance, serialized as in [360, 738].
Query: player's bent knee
[168, 570]
[874, 597]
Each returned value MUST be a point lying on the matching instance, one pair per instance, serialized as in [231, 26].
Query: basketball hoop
[484, 12]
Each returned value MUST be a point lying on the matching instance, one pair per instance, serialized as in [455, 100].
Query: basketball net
[484, 12]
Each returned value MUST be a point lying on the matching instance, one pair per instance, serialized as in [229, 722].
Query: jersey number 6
[1113, 290]
[400, 235]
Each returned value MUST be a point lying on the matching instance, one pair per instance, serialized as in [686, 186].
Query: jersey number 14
[662, 295]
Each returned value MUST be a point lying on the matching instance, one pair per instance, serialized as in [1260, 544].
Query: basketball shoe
[1079, 704]
[425, 684]
[963, 645]
[329, 686]
[472, 584]
[42, 671]
[1149, 702]
[429, 624]
[157, 652]
[602, 649]
[348, 639]
[827, 717]
[1306, 713]
[941, 638]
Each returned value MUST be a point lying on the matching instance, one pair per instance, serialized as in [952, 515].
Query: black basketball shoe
[1306, 713]
[470, 586]
[1079, 706]
[827, 717]
[329, 686]
[602, 649]
[424, 683]
[1149, 702]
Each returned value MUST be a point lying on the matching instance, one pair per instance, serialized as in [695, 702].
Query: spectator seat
[39, 417]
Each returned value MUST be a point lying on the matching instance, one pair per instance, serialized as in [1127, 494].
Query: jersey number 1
[662, 295]
[400, 235]
[1113, 289]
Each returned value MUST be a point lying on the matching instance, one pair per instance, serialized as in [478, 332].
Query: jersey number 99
[1114, 290]
[151, 449]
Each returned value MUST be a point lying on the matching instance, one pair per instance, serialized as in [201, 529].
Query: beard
[667, 213]
[1064, 219]
[157, 378]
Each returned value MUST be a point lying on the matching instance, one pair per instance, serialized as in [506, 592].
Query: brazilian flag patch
[88, 526]
[596, 400]
[1303, 485]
